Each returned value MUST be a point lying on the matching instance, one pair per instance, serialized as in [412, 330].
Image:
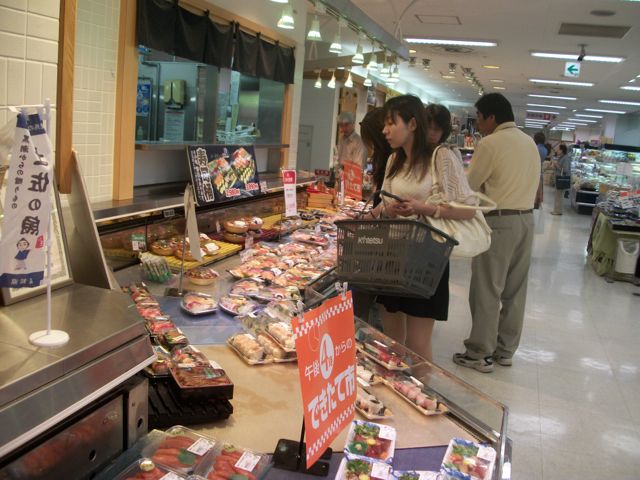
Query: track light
[336, 46]
[318, 83]
[367, 81]
[332, 82]
[314, 32]
[395, 72]
[280, 1]
[373, 60]
[426, 63]
[452, 68]
[412, 62]
[286, 20]
[349, 82]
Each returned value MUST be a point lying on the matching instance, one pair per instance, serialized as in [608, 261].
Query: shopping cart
[401, 257]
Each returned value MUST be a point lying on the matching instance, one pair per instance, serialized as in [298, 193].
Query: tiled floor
[574, 389]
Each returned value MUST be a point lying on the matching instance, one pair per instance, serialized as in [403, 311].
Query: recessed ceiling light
[578, 124]
[545, 106]
[604, 111]
[444, 41]
[588, 116]
[582, 120]
[626, 87]
[602, 13]
[499, 88]
[411, 50]
[573, 56]
[448, 77]
[561, 82]
[543, 111]
[620, 102]
[495, 80]
[551, 96]
[492, 67]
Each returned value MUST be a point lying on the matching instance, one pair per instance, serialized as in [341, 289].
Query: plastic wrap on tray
[415, 475]
[207, 380]
[371, 440]
[411, 390]
[237, 304]
[283, 335]
[198, 303]
[232, 462]
[382, 354]
[146, 469]
[248, 348]
[274, 350]
[465, 460]
[160, 366]
[188, 356]
[282, 310]
[248, 287]
[181, 450]
[271, 293]
[370, 406]
[174, 337]
[356, 468]
[159, 325]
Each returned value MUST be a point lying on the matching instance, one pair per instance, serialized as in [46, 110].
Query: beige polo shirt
[506, 167]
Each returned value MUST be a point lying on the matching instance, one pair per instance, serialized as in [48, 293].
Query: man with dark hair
[506, 167]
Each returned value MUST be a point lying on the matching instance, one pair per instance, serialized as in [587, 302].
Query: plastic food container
[355, 468]
[232, 462]
[188, 356]
[203, 381]
[383, 355]
[371, 440]
[370, 407]
[415, 475]
[248, 349]
[281, 332]
[466, 460]
[198, 303]
[237, 304]
[181, 450]
[146, 469]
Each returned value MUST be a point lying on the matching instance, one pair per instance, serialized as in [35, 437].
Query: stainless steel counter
[40, 387]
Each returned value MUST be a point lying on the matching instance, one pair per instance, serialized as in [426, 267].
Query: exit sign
[572, 69]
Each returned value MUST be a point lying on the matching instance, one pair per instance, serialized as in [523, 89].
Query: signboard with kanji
[290, 199]
[352, 180]
[222, 172]
[326, 351]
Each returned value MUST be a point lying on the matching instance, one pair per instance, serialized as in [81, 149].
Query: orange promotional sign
[352, 180]
[326, 351]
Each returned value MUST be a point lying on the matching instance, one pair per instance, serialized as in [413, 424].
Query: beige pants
[559, 201]
[498, 290]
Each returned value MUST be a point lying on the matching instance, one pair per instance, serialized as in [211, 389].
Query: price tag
[248, 242]
[318, 229]
[200, 446]
[387, 432]
[218, 227]
[380, 470]
[486, 453]
[429, 475]
[171, 212]
[215, 365]
[170, 476]
[263, 186]
[276, 271]
[138, 242]
[248, 461]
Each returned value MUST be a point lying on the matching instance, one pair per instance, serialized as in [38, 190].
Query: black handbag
[563, 182]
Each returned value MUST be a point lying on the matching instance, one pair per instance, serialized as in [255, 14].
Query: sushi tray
[370, 407]
[382, 355]
[412, 393]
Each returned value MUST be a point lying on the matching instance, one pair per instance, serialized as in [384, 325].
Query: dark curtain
[267, 58]
[156, 23]
[245, 58]
[286, 65]
[218, 48]
[191, 35]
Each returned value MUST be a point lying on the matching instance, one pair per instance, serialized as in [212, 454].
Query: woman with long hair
[413, 133]
[379, 149]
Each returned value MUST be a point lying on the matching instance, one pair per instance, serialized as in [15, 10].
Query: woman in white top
[414, 133]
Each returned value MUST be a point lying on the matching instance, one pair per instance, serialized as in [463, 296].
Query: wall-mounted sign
[542, 116]
[290, 199]
[352, 180]
[222, 172]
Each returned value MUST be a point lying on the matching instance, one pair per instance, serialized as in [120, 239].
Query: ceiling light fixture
[448, 77]
[582, 120]
[373, 59]
[426, 63]
[588, 116]
[626, 87]
[286, 19]
[443, 41]
[561, 82]
[599, 110]
[491, 67]
[499, 88]
[573, 56]
[367, 81]
[395, 72]
[332, 82]
[314, 32]
[412, 51]
[452, 68]
[358, 58]
[280, 1]
[620, 102]
[543, 111]
[336, 45]
[318, 83]
[349, 82]
[495, 80]
[545, 106]
[385, 70]
[535, 95]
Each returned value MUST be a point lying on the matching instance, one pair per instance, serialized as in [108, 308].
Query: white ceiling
[519, 27]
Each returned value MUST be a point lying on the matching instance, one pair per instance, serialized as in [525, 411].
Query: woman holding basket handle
[415, 133]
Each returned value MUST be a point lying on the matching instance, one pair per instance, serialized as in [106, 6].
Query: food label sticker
[380, 470]
[248, 461]
[170, 476]
[318, 229]
[263, 186]
[200, 446]
[429, 475]
[387, 432]
[248, 242]
[218, 228]
[276, 271]
[486, 453]
[138, 242]
[215, 365]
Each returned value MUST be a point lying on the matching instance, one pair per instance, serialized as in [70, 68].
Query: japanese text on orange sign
[327, 367]
[352, 180]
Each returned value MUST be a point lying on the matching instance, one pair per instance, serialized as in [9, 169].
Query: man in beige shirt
[351, 148]
[506, 167]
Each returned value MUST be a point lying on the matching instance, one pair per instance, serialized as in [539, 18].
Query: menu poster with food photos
[223, 172]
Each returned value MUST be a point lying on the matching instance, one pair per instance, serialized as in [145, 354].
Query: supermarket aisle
[574, 388]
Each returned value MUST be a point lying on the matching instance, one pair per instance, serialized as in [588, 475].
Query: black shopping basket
[392, 257]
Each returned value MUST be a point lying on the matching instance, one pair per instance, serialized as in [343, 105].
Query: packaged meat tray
[188, 356]
[415, 475]
[203, 381]
[281, 332]
[372, 440]
[354, 468]
[181, 450]
[237, 304]
[282, 310]
[198, 303]
[411, 391]
[248, 348]
[145, 469]
[160, 366]
[248, 287]
[268, 294]
[310, 237]
[382, 354]
[159, 324]
[370, 407]
[235, 463]
[174, 337]
[273, 350]
[466, 460]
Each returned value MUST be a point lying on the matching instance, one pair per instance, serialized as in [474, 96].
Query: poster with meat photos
[223, 172]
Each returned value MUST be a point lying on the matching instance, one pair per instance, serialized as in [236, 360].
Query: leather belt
[504, 212]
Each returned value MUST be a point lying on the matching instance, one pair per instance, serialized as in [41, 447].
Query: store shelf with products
[266, 386]
[596, 171]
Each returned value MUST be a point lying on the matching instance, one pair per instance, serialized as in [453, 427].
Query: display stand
[179, 292]
[291, 456]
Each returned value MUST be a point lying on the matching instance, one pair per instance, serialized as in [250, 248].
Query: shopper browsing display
[414, 134]
[562, 168]
[543, 151]
[506, 167]
[350, 146]
[379, 149]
